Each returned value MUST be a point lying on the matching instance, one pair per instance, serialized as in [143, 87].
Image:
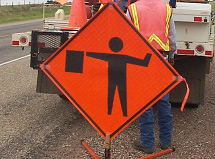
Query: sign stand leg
[107, 146]
[89, 150]
[159, 154]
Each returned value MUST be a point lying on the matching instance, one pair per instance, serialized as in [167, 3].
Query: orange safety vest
[152, 18]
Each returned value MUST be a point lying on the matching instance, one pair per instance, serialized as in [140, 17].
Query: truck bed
[193, 21]
[52, 23]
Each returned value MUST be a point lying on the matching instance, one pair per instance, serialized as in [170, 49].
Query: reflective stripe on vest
[165, 47]
[134, 13]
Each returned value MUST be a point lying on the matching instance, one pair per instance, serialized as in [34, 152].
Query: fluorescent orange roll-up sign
[110, 72]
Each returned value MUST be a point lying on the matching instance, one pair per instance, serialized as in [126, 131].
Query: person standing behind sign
[122, 4]
[155, 21]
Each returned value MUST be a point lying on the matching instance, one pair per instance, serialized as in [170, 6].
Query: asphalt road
[7, 52]
[9, 28]
[36, 126]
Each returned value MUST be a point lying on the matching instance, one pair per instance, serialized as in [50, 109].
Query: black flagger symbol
[116, 69]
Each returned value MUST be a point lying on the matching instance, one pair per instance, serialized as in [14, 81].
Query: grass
[213, 6]
[27, 12]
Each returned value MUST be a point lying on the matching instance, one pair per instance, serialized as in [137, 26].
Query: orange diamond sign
[110, 72]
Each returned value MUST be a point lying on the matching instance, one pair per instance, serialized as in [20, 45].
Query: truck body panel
[195, 40]
[54, 24]
[194, 69]
[194, 28]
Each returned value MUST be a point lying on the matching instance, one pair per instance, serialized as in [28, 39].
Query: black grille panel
[44, 44]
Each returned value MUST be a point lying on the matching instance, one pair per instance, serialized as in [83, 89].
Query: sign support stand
[89, 150]
[107, 146]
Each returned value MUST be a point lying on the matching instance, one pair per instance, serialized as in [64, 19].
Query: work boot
[136, 145]
[164, 147]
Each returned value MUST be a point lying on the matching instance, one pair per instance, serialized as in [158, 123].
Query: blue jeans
[122, 4]
[165, 118]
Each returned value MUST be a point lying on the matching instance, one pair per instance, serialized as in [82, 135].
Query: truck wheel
[63, 97]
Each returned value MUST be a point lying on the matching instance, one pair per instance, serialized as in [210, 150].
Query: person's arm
[172, 37]
[172, 41]
[128, 14]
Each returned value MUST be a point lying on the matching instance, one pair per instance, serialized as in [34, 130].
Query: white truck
[195, 40]
[195, 43]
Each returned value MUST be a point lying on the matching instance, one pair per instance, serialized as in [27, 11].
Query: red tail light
[186, 52]
[197, 19]
[15, 42]
[208, 52]
[199, 49]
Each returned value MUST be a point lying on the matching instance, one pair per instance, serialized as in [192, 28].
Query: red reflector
[29, 43]
[199, 48]
[40, 44]
[15, 42]
[208, 52]
[187, 52]
[197, 19]
[23, 40]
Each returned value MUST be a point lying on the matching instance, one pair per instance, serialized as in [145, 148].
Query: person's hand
[171, 61]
